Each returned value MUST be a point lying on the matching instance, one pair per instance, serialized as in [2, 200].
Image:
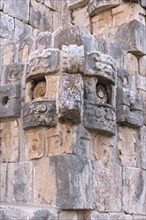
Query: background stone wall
[65, 163]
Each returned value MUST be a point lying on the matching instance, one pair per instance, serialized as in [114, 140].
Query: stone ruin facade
[73, 110]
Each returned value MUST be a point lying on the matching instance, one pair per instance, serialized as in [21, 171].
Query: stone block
[120, 216]
[35, 143]
[43, 62]
[133, 42]
[67, 35]
[39, 113]
[7, 26]
[25, 48]
[1, 4]
[41, 17]
[143, 3]
[43, 41]
[107, 186]
[72, 59]
[126, 146]
[135, 11]
[141, 83]
[70, 97]
[9, 51]
[100, 65]
[142, 148]
[71, 215]
[18, 9]
[52, 83]
[101, 22]
[10, 104]
[80, 17]
[19, 182]
[13, 72]
[63, 181]
[3, 175]
[9, 141]
[74, 4]
[65, 139]
[96, 7]
[22, 30]
[142, 63]
[94, 215]
[134, 190]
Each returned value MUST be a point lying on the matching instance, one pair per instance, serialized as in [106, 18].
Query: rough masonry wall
[72, 110]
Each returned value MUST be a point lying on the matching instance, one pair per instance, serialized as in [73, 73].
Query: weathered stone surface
[134, 190]
[67, 35]
[9, 141]
[25, 47]
[40, 16]
[18, 9]
[103, 147]
[10, 100]
[19, 182]
[43, 40]
[39, 113]
[107, 186]
[72, 60]
[133, 41]
[135, 11]
[7, 25]
[120, 216]
[52, 83]
[9, 51]
[71, 215]
[101, 65]
[43, 62]
[80, 17]
[94, 215]
[35, 143]
[142, 62]
[74, 4]
[126, 146]
[3, 176]
[70, 178]
[13, 72]
[70, 97]
[65, 139]
[143, 3]
[142, 148]
[1, 4]
[98, 6]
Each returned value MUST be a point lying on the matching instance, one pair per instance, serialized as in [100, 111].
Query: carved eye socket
[101, 92]
[5, 100]
[39, 90]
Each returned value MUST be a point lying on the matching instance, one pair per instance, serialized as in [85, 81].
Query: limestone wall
[72, 110]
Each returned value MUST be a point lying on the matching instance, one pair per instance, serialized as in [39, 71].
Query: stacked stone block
[72, 110]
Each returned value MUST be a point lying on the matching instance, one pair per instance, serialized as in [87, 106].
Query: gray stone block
[133, 41]
[41, 17]
[74, 4]
[13, 72]
[96, 6]
[43, 62]
[1, 4]
[134, 190]
[100, 65]
[39, 113]
[143, 3]
[70, 98]
[17, 8]
[10, 104]
[99, 118]
[123, 78]
[6, 26]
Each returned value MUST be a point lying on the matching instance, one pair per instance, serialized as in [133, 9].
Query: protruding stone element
[39, 113]
[6, 26]
[74, 4]
[70, 98]
[107, 186]
[72, 59]
[134, 190]
[17, 9]
[13, 72]
[129, 108]
[133, 42]
[35, 144]
[19, 182]
[100, 65]
[99, 6]
[10, 105]
[43, 62]
[64, 182]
